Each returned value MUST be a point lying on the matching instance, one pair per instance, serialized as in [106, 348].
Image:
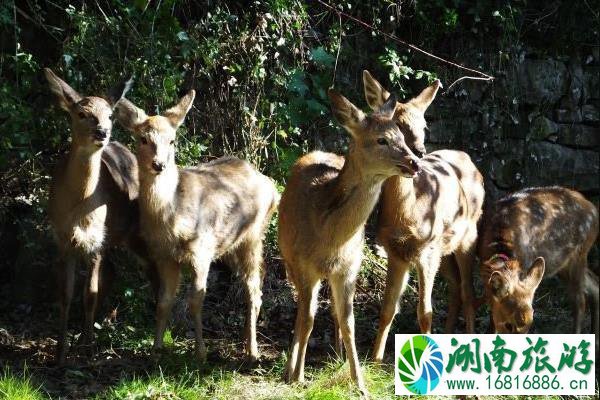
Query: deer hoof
[252, 359]
[201, 352]
[364, 394]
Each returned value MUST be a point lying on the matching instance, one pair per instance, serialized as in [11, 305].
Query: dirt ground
[27, 332]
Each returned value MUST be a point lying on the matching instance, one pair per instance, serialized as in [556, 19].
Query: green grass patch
[15, 387]
[329, 382]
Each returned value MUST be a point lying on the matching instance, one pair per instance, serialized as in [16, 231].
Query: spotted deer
[93, 200]
[534, 234]
[196, 215]
[426, 218]
[322, 214]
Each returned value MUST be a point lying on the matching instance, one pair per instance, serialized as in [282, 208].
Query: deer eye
[509, 327]
[172, 142]
[382, 141]
[82, 115]
[144, 140]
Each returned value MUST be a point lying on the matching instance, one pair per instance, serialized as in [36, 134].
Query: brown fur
[192, 216]
[92, 203]
[324, 207]
[427, 218]
[543, 232]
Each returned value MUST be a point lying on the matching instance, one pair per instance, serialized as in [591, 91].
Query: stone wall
[537, 124]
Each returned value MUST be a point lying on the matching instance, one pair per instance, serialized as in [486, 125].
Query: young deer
[322, 215]
[92, 203]
[195, 215]
[534, 234]
[426, 218]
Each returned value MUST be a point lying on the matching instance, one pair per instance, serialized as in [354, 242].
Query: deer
[531, 235]
[322, 214]
[427, 220]
[92, 203]
[192, 216]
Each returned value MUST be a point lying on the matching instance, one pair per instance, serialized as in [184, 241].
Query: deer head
[91, 116]
[155, 134]
[409, 116]
[377, 143]
[511, 292]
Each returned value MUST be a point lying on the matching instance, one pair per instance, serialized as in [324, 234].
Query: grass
[16, 387]
[184, 381]
[331, 382]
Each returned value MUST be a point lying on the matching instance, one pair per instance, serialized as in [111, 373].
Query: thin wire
[337, 56]
[483, 76]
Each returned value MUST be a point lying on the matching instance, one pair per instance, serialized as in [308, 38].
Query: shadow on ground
[27, 333]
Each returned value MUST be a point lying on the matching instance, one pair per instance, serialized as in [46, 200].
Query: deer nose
[414, 164]
[100, 134]
[158, 166]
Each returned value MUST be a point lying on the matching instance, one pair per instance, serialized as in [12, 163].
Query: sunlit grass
[16, 387]
[329, 382]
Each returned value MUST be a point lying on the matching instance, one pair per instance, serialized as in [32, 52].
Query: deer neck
[157, 192]
[404, 192]
[83, 171]
[353, 195]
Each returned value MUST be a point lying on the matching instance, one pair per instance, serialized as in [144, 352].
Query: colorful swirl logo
[420, 364]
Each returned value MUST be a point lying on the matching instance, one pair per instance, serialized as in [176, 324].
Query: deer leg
[308, 293]
[139, 247]
[196, 302]
[252, 272]
[396, 280]
[90, 297]
[465, 260]
[591, 291]
[449, 270]
[576, 277]
[338, 341]
[169, 273]
[153, 276]
[342, 287]
[429, 263]
[107, 278]
[66, 281]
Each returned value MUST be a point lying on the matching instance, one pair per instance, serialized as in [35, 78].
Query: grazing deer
[322, 214]
[92, 203]
[196, 215]
[534, 234]
[426, 218]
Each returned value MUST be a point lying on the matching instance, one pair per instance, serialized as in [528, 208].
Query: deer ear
[347, 114]
[128, 115]
[176, 114]
[389, 107]
[375, 94]
[66, 95]
[498, 285]
[535, 273]
[119, 91]
[425, 98]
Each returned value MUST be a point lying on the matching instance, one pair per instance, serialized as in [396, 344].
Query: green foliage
[400, 73]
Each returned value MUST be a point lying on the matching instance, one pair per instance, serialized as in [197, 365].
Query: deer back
[218, 204]
[439, 205]
[532, 234]
[555, 223]
[307, 199]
